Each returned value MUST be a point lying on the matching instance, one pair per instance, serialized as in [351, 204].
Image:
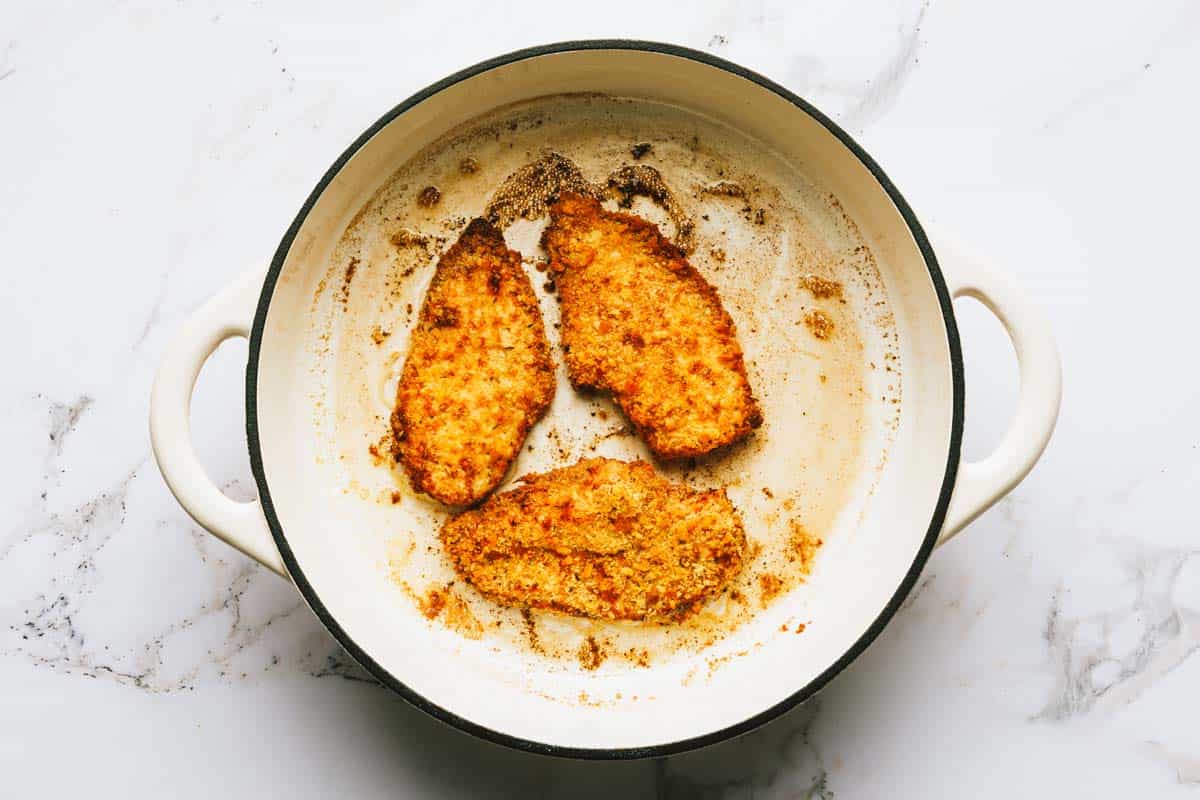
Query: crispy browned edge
[479, 234]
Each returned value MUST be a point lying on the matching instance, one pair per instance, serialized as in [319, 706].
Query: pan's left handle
[240, 525]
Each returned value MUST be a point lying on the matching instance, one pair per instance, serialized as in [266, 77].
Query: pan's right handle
[241, 525]
[980, 484]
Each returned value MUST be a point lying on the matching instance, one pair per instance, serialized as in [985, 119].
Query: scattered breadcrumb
[724, 189]
[343, 295]
[432, 603]
[455, 612]
[406, 238]
[590, 654]
[528, 192]
[769, 587]
[642, 180]
[819, 324]
[803, 546]
[429, 197]
[821, 288]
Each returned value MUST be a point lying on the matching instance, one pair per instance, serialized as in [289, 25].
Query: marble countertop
[152, 151]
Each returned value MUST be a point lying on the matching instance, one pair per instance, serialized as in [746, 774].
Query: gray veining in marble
[151, 151]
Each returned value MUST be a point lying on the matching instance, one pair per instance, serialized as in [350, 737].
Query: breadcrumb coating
[478, 373]
[640, 322]
[602, 538]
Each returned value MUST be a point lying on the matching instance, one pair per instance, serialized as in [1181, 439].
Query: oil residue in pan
[790, 267]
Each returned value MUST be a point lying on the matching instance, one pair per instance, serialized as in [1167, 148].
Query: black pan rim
[682, 745]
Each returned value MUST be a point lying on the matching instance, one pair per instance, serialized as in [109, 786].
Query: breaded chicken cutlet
[640, 322]
[478, 374]
[603, 539]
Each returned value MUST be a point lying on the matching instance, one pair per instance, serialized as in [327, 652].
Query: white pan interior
[863, 473]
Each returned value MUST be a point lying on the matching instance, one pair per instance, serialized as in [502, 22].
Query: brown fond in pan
[823, 362]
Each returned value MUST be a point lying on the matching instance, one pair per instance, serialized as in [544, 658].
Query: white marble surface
[150, 151]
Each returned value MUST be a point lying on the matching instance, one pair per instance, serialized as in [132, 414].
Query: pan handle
[238, 524]
[980, 484]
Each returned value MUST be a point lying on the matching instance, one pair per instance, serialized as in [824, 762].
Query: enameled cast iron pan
[333, 544]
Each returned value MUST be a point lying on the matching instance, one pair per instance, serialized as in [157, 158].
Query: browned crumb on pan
[803, 546]
[718, 662]
[821, 288]
[639, 150]
[459, 618]
[383, 451]
[455, 612]
[769, 587]
[603, 539]
[405, 238]
[724, 189]
[432, 602]
[819, 324]
[590, 654]
[343, 295]
[478, 373]
[429, 197]
[800, 626]
[396, 497]
[531, 633]
[718, 254]
[638, 656]
[643, 180]
[528, 192]
[398, 556]
[468, 166]
[379, 335]
[640, 322]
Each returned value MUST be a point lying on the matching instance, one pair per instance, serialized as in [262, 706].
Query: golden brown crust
[603, 539]
[640, 322]
[478, 374]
